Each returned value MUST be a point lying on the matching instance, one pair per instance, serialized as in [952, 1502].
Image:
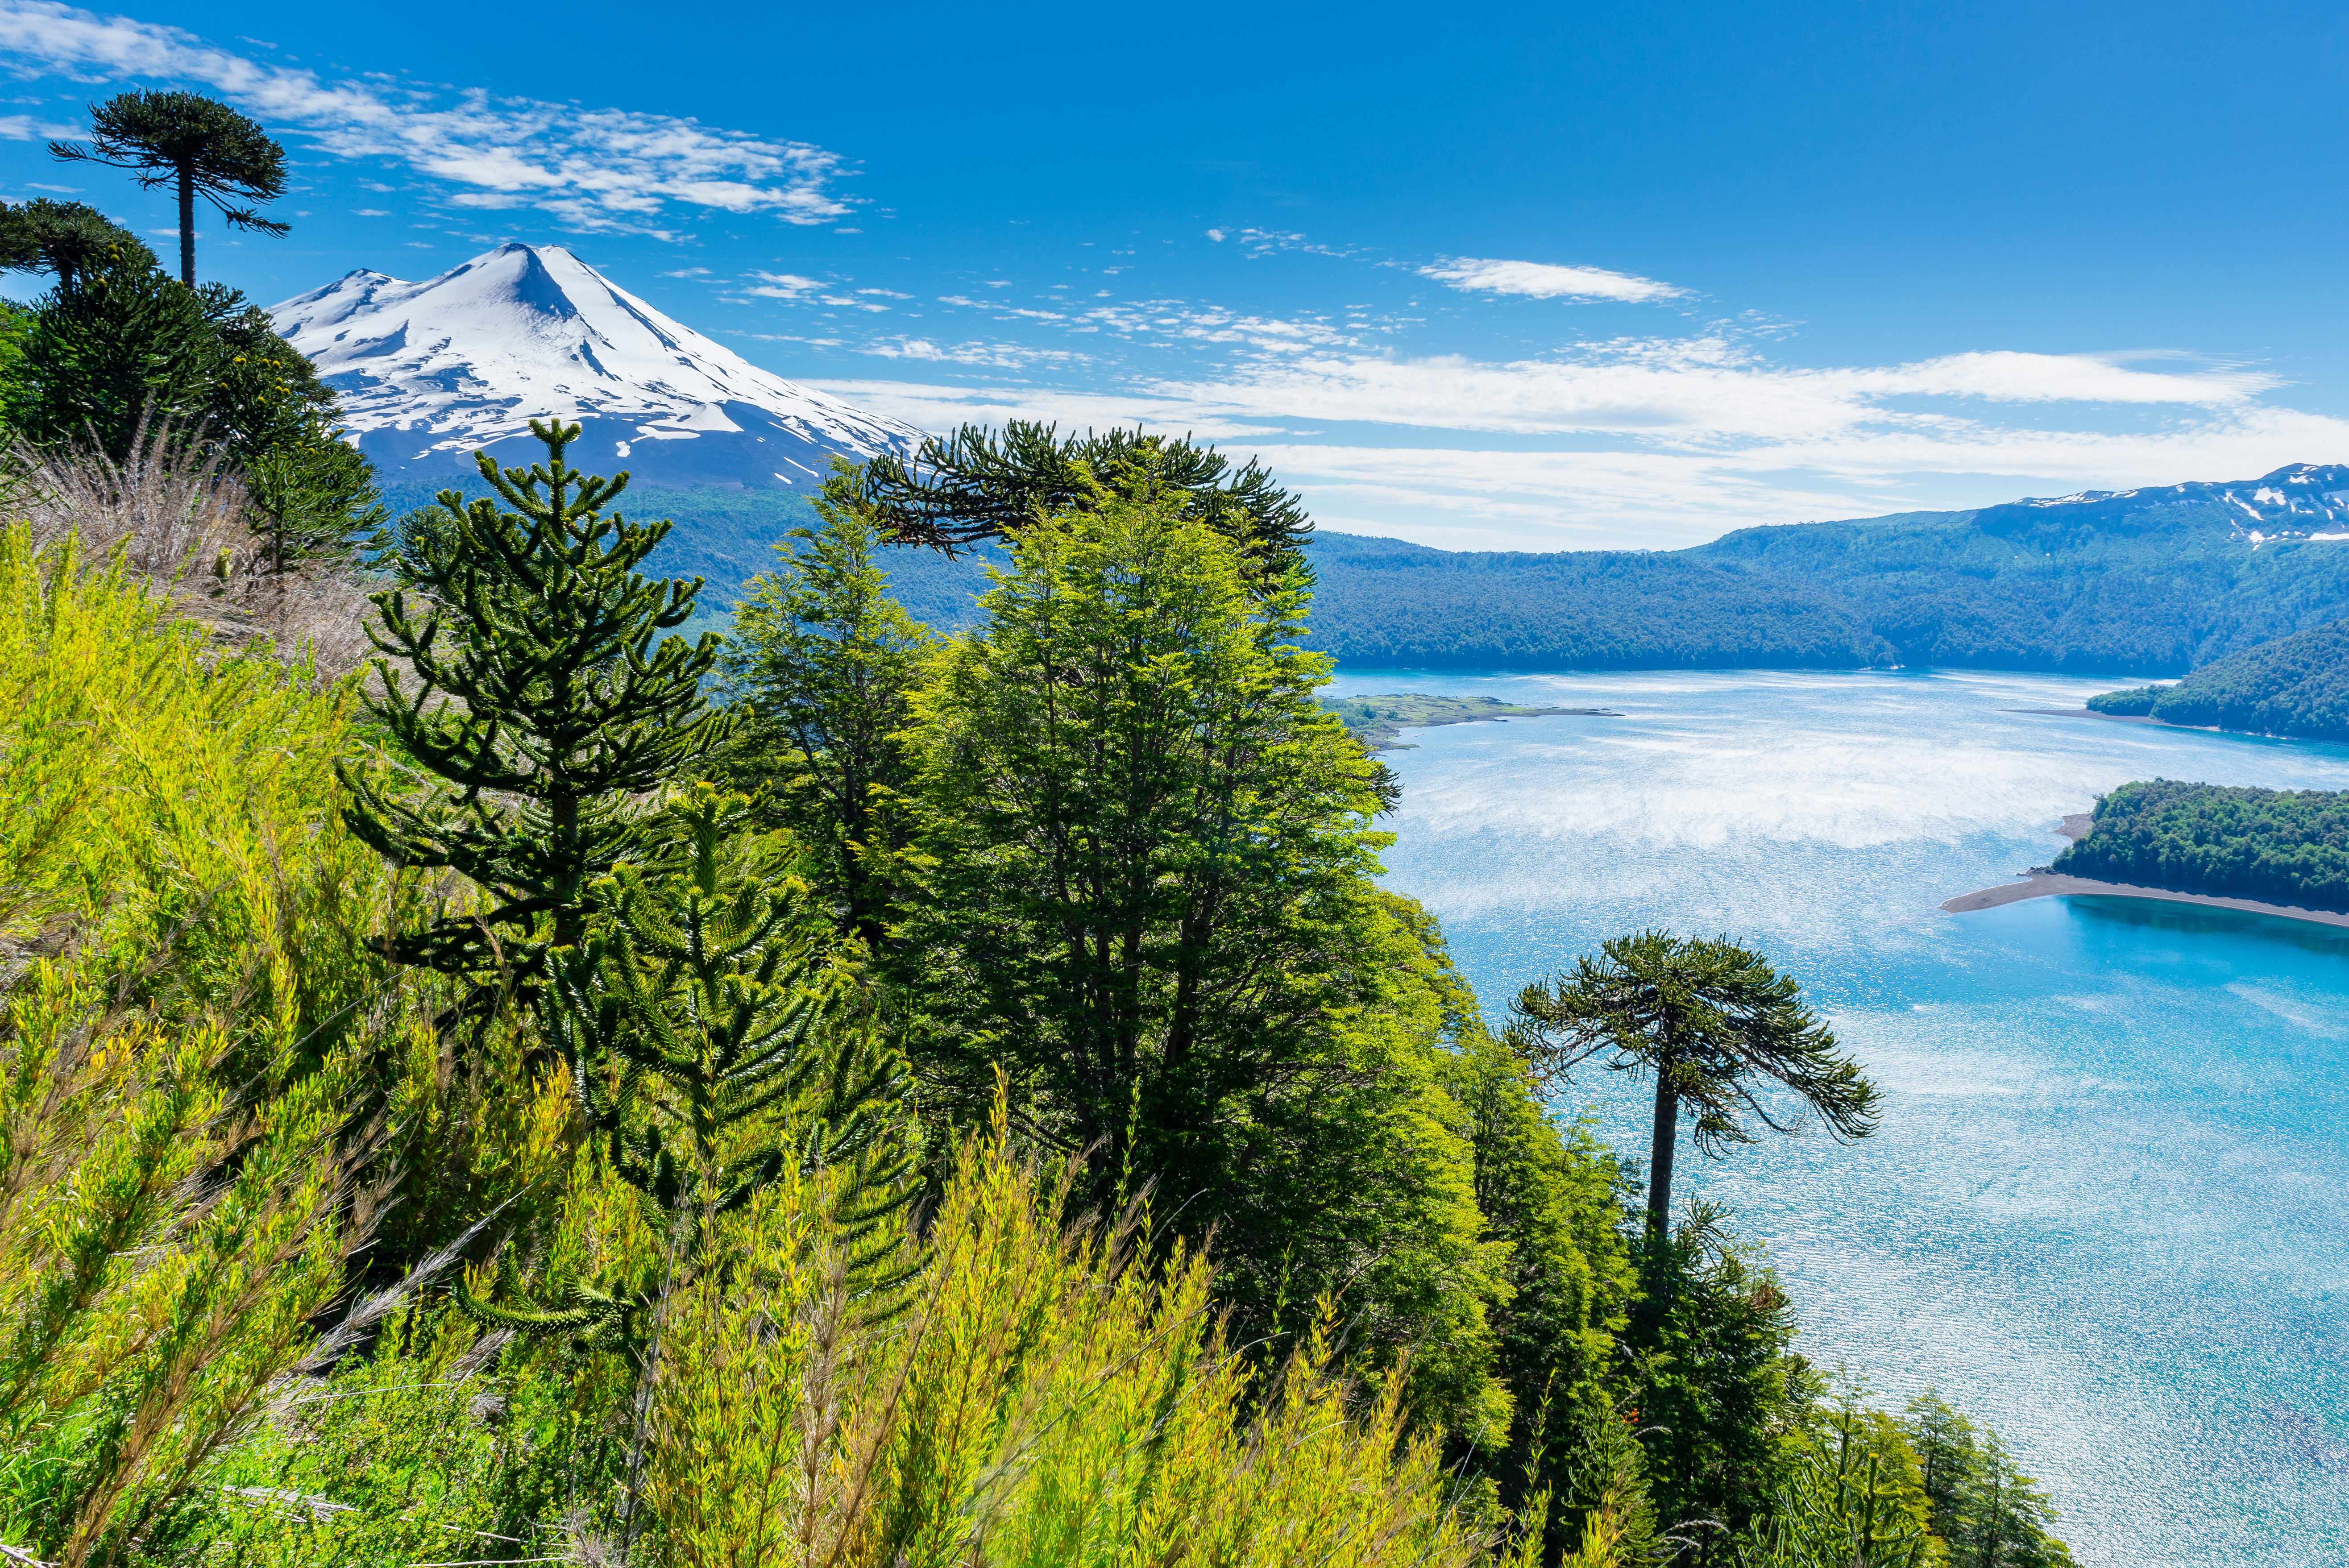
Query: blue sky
[1499, 277]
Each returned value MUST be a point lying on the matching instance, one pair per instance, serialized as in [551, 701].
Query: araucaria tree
[977, 485]
[192, 144]
[1716, 1027]
[65, 239]
[542, 702]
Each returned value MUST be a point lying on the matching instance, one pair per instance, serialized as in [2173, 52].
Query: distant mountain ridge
[427, 371]
[2145, 582]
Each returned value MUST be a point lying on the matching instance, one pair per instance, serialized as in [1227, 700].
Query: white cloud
[1641, 493]
[1264, 241]
[1000, 356]
[1542, 280]
[1701, 390]
[782, 285]
[25, 127]
[592, 168]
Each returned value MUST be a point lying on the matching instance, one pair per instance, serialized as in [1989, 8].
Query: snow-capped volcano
[430, 371]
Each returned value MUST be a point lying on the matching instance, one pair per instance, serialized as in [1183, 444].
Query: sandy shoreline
[2047, 884]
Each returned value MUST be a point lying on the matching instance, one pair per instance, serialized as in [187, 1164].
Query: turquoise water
[2109, 1212]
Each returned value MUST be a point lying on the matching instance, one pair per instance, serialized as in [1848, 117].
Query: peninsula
[1378, 722]
[2263, 852]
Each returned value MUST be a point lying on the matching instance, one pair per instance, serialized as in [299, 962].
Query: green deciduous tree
[193, 146]
[544, 697]
[1715, 1391]
[1715, 1026]
[1152, 904]
[978, 485]
[824, 663]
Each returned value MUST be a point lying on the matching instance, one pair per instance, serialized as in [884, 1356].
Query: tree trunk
[187, 227]
[1660, 1157]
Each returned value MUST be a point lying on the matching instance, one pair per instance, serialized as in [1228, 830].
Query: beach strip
[2047, 884]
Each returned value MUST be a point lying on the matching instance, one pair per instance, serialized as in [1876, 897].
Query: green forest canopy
[2295, 685]
[2277, 846]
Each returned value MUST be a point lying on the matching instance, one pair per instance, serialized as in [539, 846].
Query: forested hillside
[2149, 583]
[1382, 601]
[2296, 686]
[2278, 846]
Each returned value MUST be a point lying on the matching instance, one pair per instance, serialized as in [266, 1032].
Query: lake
[2109, 1212]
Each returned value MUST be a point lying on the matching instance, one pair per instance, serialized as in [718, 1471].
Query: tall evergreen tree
[977, 485]
[65, 239]
[1715, 1026]
[193, 145]
[120, 356]
[825, 664]
[541, 703]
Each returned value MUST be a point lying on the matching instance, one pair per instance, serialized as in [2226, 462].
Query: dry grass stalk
[184, 526]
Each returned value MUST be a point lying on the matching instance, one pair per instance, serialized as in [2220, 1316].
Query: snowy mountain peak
[430, 371]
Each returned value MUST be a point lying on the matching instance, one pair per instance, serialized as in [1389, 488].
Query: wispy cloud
[26, 127]
[1265, 241]
[1543, 280]
[997, 355]
[593, 169]
[1704, 390]
[779, 285]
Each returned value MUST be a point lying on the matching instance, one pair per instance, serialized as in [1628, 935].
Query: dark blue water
[2109, 1212]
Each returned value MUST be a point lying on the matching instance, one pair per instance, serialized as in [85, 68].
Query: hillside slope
[2143, 581]
[2296, 686]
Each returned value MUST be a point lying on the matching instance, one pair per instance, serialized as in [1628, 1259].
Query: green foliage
[716, 1038]
[66, 239]
[978, 486]
[126, 360]
[2133, 703]
[190, 144]
[191, 1039]
[1715, 1026]
[2297, 685]
[1988, 1513]
[823, 664]
[1851, 1497]
[2278, 846]
[122, 351]
[540, 703]
[1151, 905]
[1130, 926]
[1715, 1391]
[1382, 602]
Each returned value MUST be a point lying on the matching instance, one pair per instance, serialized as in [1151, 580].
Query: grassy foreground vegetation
[847, 1096]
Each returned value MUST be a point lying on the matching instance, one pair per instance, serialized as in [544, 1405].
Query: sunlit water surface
[2108, 1211]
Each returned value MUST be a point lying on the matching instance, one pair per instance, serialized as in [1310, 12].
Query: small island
[2267, 852]
[1378, 721]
